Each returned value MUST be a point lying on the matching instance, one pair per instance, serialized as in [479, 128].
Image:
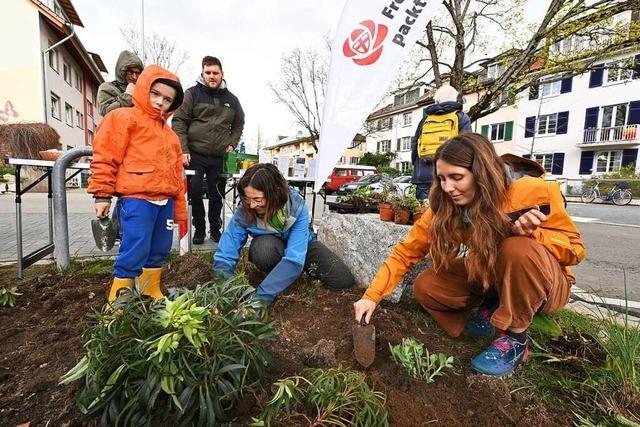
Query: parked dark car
[363, 182]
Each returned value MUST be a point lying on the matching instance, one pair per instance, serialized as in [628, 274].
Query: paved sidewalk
[35, 229]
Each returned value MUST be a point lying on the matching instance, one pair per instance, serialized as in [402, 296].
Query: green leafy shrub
[389, 170]
[627, 172]
[415, 358]
[335, 396]
[185, 360]
[8, 296]
[362, 197]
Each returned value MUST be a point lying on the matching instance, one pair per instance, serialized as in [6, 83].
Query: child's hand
[186, 159]
[102, 209]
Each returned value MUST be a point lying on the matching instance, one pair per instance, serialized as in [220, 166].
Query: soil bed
[41, 341]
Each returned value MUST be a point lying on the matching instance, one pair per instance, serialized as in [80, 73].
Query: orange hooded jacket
[558, 234]
[136, 154]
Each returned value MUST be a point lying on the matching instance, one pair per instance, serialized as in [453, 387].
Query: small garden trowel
[364, 342]
[105, 232]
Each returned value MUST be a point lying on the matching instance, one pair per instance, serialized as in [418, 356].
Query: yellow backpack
[437, 129]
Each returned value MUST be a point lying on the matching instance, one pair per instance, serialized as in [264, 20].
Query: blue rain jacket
[297, 234]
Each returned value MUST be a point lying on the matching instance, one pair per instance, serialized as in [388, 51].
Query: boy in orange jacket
[137, 157]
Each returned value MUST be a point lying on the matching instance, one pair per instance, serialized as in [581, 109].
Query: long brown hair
[266, 178]
[489, 225]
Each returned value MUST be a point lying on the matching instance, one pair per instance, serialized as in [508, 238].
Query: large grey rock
[363, 242]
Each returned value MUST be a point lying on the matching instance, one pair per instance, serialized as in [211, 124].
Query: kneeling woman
[283, 245]
[491, 245]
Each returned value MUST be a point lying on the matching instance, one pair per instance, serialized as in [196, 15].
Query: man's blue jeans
[422, 191]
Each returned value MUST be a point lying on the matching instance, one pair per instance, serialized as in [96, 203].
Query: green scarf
[279, 219]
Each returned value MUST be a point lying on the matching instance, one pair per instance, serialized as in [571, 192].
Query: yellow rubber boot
[149, 282]
[117, 285]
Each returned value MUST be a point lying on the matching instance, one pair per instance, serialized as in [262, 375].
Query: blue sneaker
[501, 358]
[480, 325]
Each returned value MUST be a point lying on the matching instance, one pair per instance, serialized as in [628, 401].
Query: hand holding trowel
[364, 342]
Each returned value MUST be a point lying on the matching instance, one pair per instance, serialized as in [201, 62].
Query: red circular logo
[364, 45]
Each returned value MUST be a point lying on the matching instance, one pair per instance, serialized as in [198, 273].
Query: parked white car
[401, 185]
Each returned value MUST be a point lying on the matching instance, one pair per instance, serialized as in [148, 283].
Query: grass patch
[592, 369]
[94, 265]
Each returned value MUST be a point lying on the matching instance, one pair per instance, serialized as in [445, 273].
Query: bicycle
[619, 196]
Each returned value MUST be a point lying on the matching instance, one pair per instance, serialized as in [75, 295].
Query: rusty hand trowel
[105, 232]
[364, 342]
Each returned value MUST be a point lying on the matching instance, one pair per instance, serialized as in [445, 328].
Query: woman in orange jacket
[137, 157]
[498, 236]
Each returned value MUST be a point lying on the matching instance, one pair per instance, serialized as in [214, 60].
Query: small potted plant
[403, 208]
[420, 209]
[384, 204]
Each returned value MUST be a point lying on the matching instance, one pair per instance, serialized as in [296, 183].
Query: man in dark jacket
[117, 94]
[209, 124]
[446, 102]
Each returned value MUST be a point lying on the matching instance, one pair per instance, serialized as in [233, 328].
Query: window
[405, 143]
[546, 160]
[341, 160]
[384, 123]
[66, 72]
[385, 145]
[618, 71]
[79, 119]
[53, 58]
[501, 99]
[354, 160]
[404, 166]
[547, 124]
[568, 45]
[608, 161]
[68, 114]
[55, 106]
[550, 88]
[407, 97]
[79, 81]
[494, 71]
[497, 132]
[89, 108]
[406, 119]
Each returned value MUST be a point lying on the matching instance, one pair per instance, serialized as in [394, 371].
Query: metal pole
[61, 225]
[19, 221]
[144, 59]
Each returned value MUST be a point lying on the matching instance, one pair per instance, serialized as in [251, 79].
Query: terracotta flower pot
[402, 216]
[386, 212]
[418, 213]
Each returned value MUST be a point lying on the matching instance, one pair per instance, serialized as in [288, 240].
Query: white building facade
[586, 125]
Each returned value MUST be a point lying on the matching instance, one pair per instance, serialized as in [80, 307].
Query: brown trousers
[528, 280]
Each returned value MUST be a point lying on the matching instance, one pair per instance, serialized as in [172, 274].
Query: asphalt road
[612, 238]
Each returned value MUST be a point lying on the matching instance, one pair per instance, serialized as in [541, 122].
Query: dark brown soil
[40, 341]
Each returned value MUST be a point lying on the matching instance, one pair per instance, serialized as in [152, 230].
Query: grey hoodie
[111, 95]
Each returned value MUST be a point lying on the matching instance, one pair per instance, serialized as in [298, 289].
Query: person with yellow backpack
[441, 122]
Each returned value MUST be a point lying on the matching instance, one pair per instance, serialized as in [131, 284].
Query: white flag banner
[372, 40]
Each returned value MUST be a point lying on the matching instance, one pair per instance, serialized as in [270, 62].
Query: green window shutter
[485, 131]
[508, 131]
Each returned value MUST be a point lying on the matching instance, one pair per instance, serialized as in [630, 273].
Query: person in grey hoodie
[117, 94]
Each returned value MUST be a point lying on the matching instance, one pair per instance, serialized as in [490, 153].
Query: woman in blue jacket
[277, 219]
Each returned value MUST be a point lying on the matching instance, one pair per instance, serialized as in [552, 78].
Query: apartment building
[301, 147]
[575, 126]
[46, 74]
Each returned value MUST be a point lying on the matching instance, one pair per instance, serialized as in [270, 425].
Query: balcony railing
[611, 134]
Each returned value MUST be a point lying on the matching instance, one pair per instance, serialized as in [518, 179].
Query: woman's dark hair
[489, 224]
[266, 178]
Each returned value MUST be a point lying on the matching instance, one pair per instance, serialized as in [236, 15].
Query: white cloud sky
[249, 36]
